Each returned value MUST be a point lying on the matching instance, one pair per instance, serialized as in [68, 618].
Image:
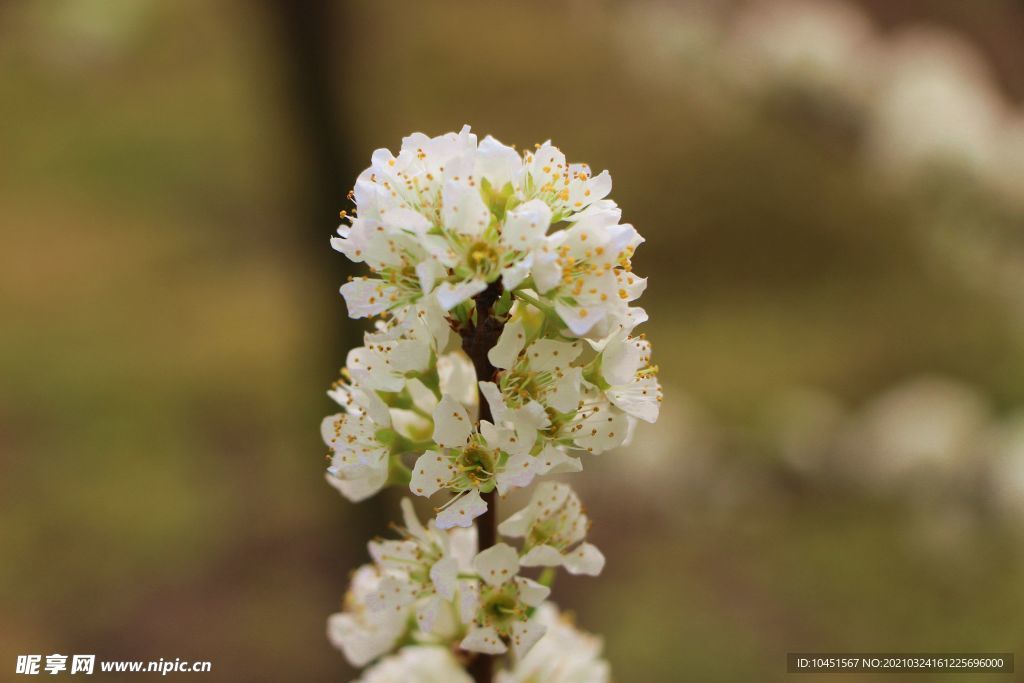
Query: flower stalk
[477, 341]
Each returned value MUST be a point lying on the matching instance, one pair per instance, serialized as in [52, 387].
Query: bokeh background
[833, 197]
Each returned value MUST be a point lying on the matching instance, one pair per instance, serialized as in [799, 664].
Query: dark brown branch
[479, 337]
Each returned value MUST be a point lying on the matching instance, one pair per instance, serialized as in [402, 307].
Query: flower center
[483, 258]
[520, 386]
[500, 608]
[544, 532]
[477, 462]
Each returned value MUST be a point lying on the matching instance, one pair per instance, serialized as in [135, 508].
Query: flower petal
[525, 635]
[497, 564]
[367, 296]
[554, 460]
[531, 592]
[452, 426]
[585, 559]
[526, 224]
[444, 575]
[512, 340]
[450, 295]
[462, 512]
[518, 472]
[485, 640]
[542, 556]
[392, 594]
[431, 473]
[492, 394]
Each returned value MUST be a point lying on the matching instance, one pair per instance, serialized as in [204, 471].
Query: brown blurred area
[833, 199]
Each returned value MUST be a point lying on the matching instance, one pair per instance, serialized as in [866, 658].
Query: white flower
[503, 605]
[537, 381]
[447, 216]
[629, 379]
[471, 461]
[431, 560]
[566, 188]
[362, 632]
[478, 248]
[563, 655]
[397, 200]
[417, 664]
[586, 272]
[542, 250]
[359, 460]
[403, 347]
[596, 426]
[553, 525]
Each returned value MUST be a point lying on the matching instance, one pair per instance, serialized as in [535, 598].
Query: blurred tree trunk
[305, 31]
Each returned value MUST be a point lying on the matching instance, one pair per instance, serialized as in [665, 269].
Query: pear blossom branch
[523, 258]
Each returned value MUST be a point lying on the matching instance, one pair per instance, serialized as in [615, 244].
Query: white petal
[513, 274]
[422, 397]
[390, 553]
[526, 224]
[404, 219]
[493, 436]
[462, 544]
[550, 354]
[366, 296]
[410, 424]
[444, 575]
[579, 318]
[518, 472]
[469, 598]
[603, 430]
[542, 556]
[531, 592]
[458, 378]
[428, 271]
[464, 210]
[492, 394]
[554, 460]
[525, 635]
[584, 559]
[361, 643]
[438, 247]
[497, 564]
[512, 340]
[435, 616]
[452, 426]
[484, 640]
[529, 419]
[374, 406]
[600, 185]
[462, 512]
[409, 355]
[639, 398]
[358, 490]
[547, 273]
[392, 594]
[566, 394]
[518, 524]
[620, 360]
[431, 473]
[497, 162]
[450, 295]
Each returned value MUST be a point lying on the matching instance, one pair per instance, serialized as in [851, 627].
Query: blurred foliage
[168, 337]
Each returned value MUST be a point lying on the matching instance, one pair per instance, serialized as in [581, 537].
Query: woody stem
[478, 337]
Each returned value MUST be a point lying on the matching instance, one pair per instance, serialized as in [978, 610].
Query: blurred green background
[833, 199]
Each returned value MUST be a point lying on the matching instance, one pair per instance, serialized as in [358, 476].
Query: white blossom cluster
[517, 268]
[432, 587]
